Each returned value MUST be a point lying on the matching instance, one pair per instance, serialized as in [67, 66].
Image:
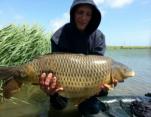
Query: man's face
[83, 15]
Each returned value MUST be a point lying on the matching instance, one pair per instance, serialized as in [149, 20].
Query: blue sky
[124, 22]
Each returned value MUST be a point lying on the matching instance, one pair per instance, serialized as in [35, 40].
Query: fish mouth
[133, 73]
[130, 74]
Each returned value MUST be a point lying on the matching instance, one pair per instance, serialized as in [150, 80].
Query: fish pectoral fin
[10, 87]
[121, 81]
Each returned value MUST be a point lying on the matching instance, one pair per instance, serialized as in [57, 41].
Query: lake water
[140, 61]
[32, 102]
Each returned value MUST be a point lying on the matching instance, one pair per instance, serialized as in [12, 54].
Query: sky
[124, 22]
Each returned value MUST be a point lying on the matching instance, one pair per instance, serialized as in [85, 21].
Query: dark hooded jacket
[69, 39]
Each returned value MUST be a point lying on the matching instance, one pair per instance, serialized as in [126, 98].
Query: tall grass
[20, 43]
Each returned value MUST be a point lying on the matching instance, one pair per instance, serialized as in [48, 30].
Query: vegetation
[19, 44]
[128, 47]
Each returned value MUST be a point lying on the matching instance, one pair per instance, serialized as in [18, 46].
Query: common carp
[80, 75]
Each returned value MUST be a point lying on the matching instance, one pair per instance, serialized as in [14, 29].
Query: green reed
[21, 43]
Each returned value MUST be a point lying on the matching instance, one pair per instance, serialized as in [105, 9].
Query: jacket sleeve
[98, 44]
[55, 40]
[58, 102]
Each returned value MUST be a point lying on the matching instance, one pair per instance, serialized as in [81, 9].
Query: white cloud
[118, 3]
[99, 2]
[1, 26]
[113, 3]
[58, 22]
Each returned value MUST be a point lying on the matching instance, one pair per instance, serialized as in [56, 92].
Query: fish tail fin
[10, 85]
[8, 72]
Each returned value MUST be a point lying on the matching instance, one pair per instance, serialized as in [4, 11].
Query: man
[80, 35]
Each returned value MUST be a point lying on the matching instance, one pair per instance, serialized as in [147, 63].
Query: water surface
[140, 61]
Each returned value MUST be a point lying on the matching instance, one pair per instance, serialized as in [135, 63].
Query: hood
[96, 15]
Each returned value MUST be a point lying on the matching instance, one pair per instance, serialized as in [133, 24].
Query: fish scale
[80, 75]
[75, 72]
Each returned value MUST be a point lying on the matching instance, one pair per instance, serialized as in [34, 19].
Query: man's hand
[104, 88]
[110, 86]
[48, 83]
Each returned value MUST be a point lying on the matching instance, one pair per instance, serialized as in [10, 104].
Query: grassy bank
[128, 47]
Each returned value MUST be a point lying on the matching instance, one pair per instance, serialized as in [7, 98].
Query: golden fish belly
[79, 75]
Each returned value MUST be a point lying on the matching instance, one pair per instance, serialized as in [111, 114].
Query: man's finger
[53, 85]
[108, 86]
[59, 89]
[48, 79]
[42, 79]
[56, 90]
